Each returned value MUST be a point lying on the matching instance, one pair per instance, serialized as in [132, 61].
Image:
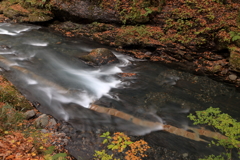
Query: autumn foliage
[121, 143]
[19, 138]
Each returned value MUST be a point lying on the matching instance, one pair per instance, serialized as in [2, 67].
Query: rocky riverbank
[198, 36]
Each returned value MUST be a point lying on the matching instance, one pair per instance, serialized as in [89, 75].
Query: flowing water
[44, 67]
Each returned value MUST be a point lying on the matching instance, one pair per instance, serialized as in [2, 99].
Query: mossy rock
[22, 14]
[39, 17]
[100, 56]
[68, 26]
[15, 11]
[10, 95]
[234, 59]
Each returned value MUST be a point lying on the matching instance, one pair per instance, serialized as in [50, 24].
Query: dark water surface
[64, 87]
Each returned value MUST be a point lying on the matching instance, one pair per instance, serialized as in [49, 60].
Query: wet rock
[29, 114]
[68, 26]
[100, 56]
[52, 122]
[5, 47]
[41, 121]
[84, 10]
[232, 77]
[39, 17]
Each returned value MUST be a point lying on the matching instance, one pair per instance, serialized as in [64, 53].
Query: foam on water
[31, 81]
[6, 32]
[15, 29]
[55, 79]
[5, 52]
[40, 44]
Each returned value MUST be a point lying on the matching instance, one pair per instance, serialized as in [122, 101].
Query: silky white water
[54, 77]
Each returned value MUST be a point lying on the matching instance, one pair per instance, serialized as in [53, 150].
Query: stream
[44, 67]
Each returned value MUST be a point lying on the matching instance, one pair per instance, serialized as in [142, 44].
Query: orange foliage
[16, 146]
[137, 150]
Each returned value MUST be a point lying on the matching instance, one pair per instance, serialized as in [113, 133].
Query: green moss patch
[10, 95]
[24, 11]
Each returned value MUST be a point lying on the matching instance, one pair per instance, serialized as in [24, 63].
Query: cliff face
[203, 36]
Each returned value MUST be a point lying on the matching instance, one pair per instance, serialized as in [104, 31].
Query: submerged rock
[100, 56]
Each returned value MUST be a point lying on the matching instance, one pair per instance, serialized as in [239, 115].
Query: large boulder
[78, 10]
[100, 56]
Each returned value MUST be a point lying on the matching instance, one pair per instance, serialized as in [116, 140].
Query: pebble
[41, 121]
[29, 114]
[148, 53]
[65, 141]
[185, 155]
[232, 77]
[52, 122]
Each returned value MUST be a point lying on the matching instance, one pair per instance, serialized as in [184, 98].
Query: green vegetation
[137, 11]
[235, 35]
[27, 10]
[19, 138]
[33, 3]
[11, 96]
[121, 142]
[200, 24]
[225, 124]
[9, 117]
[49, 154]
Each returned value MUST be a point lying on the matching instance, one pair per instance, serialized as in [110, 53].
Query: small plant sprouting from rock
[235, 35]
[122, 144]
[225, 124]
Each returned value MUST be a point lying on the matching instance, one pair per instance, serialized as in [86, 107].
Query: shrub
[225, 124]
[122, 144]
